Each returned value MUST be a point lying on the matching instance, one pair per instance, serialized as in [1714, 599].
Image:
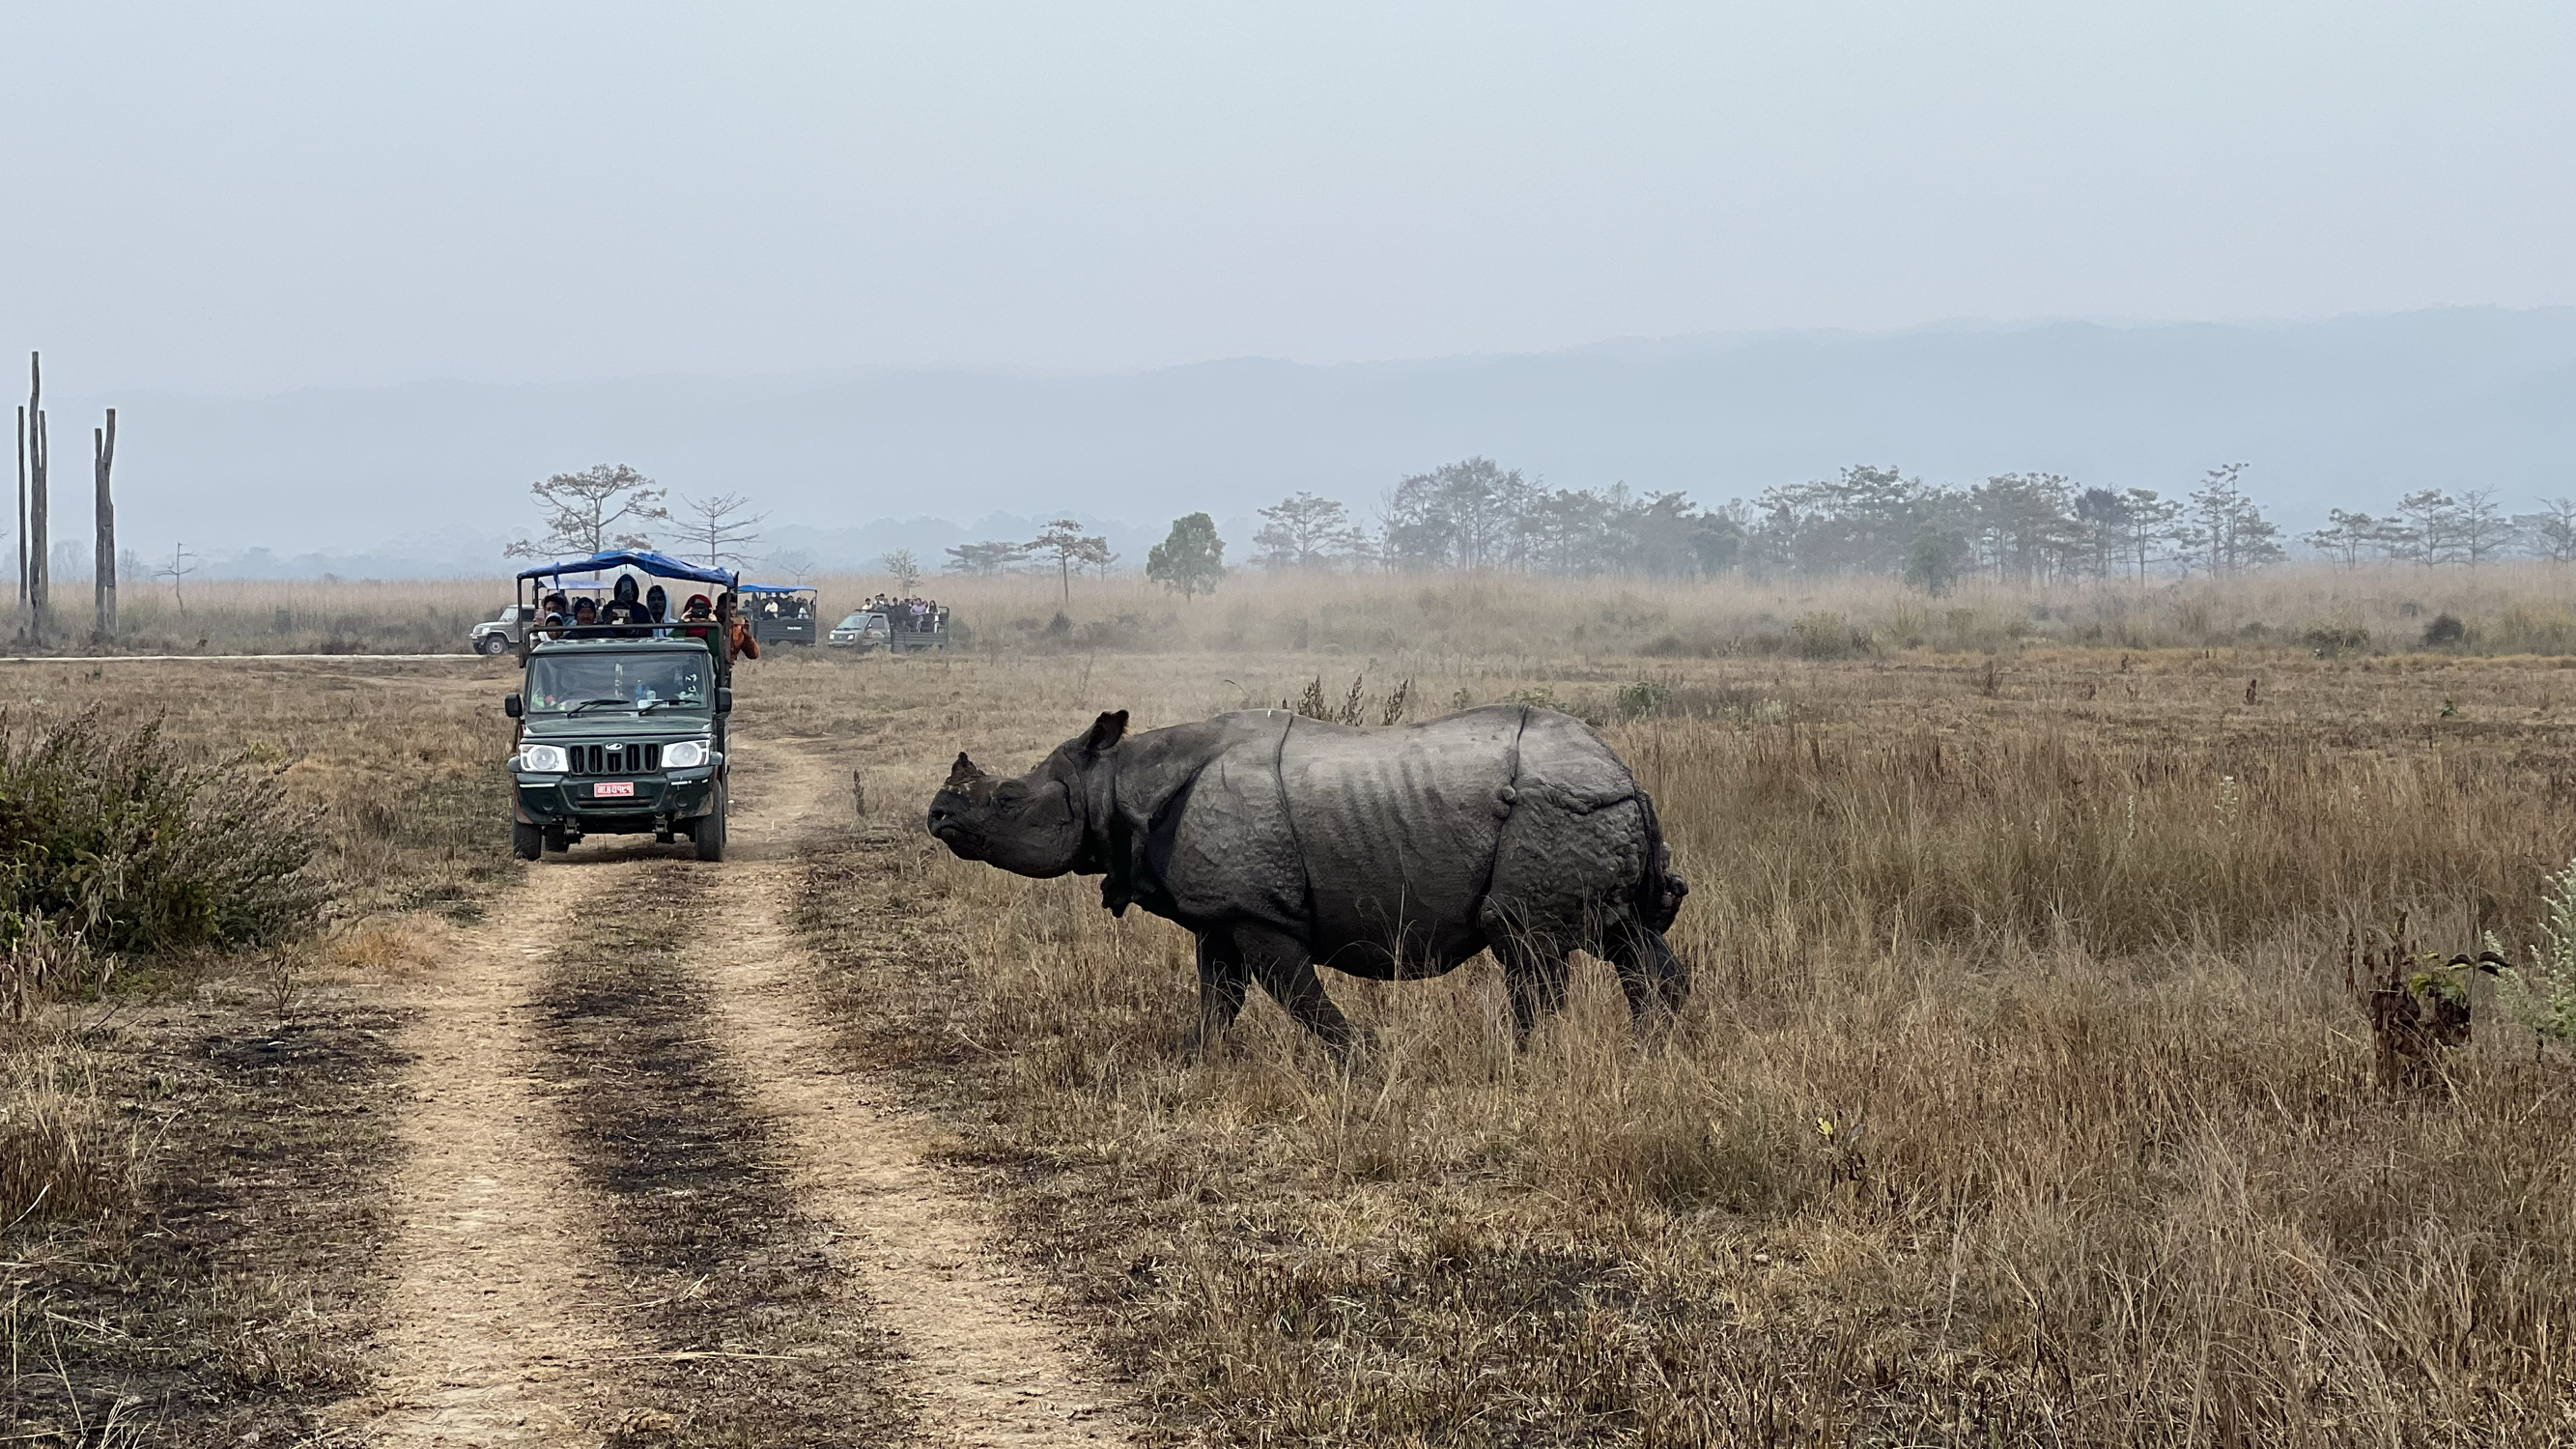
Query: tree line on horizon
[1477, 515]
[2012, 527]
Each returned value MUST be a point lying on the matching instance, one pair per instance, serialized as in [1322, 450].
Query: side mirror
[724, 699]
[510, 705]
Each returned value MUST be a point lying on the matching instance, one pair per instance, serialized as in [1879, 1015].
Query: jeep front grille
[633, 758]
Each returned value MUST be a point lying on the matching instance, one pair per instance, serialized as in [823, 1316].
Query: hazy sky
[253, 197]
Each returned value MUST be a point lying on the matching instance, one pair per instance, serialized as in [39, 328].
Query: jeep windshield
[591, 683]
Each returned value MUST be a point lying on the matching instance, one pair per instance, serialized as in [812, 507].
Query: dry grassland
[193, 1162]
[1455, 621]
[2023, 1098]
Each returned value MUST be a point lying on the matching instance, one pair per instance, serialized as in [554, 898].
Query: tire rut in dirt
[765, 1334]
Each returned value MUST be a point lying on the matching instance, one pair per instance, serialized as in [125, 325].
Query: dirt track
[517, 1260]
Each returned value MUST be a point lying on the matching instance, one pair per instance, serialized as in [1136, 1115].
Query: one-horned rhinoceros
[1283, 841]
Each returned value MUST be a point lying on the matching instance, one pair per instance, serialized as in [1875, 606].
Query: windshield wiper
[577, 708]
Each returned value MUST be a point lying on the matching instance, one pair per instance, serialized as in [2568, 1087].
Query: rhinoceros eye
[1012, 793]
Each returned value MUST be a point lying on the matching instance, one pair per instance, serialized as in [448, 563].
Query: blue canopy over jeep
[643, 560]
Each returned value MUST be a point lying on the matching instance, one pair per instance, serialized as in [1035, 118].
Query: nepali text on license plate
[612, 787]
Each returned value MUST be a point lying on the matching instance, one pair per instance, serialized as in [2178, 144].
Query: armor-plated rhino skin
[1284, 842]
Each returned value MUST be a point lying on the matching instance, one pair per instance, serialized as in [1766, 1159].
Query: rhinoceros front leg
[1280, 963]
[1221, 983]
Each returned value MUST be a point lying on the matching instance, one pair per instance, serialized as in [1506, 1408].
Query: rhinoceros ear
[1106, 732]
[963, 772]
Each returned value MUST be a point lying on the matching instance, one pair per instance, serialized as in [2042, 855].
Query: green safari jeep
[619, 736]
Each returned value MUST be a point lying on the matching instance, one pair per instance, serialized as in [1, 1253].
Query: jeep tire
[707, 832]
[527, 842]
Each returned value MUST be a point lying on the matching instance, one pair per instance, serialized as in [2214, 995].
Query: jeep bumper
[574, 801]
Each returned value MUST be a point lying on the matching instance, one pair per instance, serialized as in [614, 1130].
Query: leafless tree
[2482, 527]
[177, 571]
[593, 511]
[103, 543]
[720, 528]
[38, 570]
[2550, 533]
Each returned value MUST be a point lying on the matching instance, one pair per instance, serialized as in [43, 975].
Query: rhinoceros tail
[1660, 888]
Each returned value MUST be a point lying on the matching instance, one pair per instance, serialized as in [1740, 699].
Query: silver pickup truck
[500, 634]
[887, 629]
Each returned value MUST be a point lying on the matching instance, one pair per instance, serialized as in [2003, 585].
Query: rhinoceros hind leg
[1534, 972]
[1655, 980]
[1280, 963]
[1222, 979]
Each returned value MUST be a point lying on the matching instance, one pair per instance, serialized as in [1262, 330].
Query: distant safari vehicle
[892, 628]
[779, 613]
[862, 631]
[623, 727]
[499, 634]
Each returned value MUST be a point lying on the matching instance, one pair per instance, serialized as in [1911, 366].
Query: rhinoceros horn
[963, 773]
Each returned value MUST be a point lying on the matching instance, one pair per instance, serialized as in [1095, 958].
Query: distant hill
[2351, 411]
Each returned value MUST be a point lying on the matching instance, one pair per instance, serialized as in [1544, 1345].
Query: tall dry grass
[2023, 1098]
[2521, 608]
[64, 1156]
[2512, 609]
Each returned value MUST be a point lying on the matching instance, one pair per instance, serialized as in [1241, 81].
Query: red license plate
[606, 788]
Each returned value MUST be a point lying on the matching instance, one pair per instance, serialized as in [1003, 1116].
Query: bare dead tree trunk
[22, 506]
[103, 569]
[39, 571]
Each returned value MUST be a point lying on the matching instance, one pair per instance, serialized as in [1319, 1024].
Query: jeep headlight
[684, 755]
[543, 759]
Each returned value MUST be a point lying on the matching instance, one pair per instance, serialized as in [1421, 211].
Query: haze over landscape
[354, 279]
[857, 461]
[1451, 724]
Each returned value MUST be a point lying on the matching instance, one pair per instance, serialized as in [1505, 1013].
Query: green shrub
[1826, 636]
[1643, 698]
[2544, 997]
[108, 830]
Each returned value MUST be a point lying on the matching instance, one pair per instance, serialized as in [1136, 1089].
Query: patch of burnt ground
[233, 1301]
[765, 1334]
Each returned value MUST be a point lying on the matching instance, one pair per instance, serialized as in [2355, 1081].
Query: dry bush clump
[2022, 1098]
[112, 828]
